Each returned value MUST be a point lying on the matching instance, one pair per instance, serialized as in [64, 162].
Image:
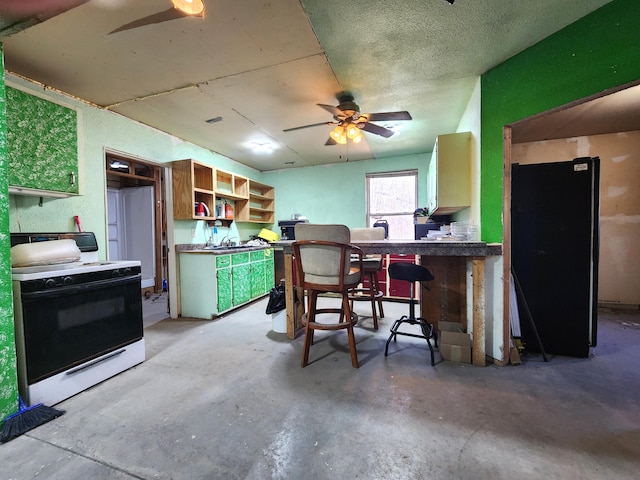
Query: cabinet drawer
[239, 258]
[257, 255]
[223, 261]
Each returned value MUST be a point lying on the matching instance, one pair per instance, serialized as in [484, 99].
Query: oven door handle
[80, 288]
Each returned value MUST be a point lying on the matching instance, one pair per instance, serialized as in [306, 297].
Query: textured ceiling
[264, 65]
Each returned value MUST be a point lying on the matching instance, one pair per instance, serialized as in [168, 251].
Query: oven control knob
[127, 271]
[49, 283]
[67, 281]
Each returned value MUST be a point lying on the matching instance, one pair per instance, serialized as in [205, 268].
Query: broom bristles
[27, 418]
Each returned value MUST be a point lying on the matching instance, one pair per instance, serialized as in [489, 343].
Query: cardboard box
[455, 346]
[450, 327]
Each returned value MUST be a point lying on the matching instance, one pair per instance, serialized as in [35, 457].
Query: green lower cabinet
[269, 274]
[223, 291]
[257, 279]
[241, 284]
[211, 285]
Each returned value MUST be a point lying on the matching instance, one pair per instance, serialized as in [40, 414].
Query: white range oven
[77, 323]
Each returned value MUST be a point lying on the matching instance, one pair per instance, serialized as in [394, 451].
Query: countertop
[200, 248]
[419, 247]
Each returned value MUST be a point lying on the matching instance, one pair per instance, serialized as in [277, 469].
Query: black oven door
[68, 326]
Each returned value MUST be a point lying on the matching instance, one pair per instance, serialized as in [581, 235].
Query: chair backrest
[327, 262]
[373, 233]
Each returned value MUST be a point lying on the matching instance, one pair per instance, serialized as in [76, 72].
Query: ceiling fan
[180, 9]
[349, 121]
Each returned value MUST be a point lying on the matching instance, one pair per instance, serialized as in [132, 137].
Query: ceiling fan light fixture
[190, 7]
[353, 131]
[339, 134]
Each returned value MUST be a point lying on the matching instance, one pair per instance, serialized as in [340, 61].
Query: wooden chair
[323, 265]
[371, 265]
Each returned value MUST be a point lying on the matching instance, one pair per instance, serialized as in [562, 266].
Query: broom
[25, 419]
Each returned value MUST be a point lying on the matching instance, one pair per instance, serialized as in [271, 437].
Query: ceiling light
[262, 147]
[352, 131]
[190, 7]
[339, 134]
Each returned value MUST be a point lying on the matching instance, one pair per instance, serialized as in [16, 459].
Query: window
[393, 196]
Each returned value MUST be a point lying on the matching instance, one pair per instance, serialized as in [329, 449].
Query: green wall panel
[42, 143]
[596, 53]
[8, 375]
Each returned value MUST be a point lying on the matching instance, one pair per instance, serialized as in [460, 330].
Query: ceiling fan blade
[331, 141]
[171, 14]
[307, 126]
[378, 130]
[388, 116]
[335, 111]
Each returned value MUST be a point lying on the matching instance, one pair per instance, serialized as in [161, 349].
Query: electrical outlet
[193, 232]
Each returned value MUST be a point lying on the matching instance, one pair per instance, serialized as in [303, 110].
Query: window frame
[370, 217]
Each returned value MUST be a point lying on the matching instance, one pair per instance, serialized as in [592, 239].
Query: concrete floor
[227, 399]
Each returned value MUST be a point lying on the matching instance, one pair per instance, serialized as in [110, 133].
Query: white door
[139, 232]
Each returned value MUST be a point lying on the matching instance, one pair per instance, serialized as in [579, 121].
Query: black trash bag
[276, 299]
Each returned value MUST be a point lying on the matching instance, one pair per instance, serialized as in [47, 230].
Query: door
[139, 238]
[555, 252]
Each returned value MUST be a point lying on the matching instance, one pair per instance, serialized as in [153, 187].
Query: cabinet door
[257, 279]
[241, 285]
[223, 277]
[269, 274]
[400, 288]
[42, 143]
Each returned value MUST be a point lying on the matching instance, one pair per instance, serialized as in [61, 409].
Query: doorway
[589, 127]
[136, 217]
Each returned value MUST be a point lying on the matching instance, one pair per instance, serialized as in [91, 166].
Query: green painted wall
[596, 53]
[8, 375]
[336, 193]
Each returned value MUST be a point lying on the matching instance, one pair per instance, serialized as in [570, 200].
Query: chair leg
[308, 330]
[374, 278]
[373, 290]
[394, 334]
[350, 333]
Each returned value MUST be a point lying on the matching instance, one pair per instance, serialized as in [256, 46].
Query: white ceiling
[264, 65]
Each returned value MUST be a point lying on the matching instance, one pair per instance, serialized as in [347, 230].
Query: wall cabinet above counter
[42, 146]
[449, 174]
[195, 182]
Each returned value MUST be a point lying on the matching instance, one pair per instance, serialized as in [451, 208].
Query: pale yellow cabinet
[449, 174]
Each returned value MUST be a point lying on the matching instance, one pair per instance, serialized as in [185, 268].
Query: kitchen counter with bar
[447, 300]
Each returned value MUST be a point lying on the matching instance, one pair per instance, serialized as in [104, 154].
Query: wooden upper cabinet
[259, 208]
[195, 182]
[192, 183]
[449, 174]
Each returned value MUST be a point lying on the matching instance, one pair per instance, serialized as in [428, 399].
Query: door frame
[157, 179]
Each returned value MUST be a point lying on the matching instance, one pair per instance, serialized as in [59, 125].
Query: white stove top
[72, 268]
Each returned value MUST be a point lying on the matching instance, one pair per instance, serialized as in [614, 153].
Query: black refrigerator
[554, 253]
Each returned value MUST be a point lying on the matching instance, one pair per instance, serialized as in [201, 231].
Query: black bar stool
[412, 273]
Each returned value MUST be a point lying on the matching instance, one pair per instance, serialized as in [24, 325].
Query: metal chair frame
[412, 273]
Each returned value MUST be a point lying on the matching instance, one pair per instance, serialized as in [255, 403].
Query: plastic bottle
[228, 210]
